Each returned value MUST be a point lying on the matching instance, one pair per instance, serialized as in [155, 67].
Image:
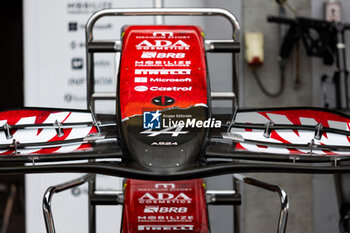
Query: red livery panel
[159, 206]
[167, 62]
[162, 81]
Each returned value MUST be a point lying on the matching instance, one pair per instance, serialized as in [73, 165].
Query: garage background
[42, 64]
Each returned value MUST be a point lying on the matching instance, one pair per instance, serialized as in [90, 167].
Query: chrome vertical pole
[159, 19]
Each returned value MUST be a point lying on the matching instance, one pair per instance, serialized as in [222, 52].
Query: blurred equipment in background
[12, 189]
[12, 204]
[255, 46]
[254, 49]
[284, 4]
[333, 11]
[254, 42]
[324, 39]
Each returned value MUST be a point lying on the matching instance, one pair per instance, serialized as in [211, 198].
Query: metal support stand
[236, 210]
[92, 208]
[282, 222]
[341, 74]
[48, 217]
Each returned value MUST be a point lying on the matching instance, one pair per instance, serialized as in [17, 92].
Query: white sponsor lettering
[171, 88]
[146, 54]
[164, 144]
[170, 80]
[162, 45]
[158, 209]
[164, 185]
[163, 71]
[165, 227]
[144, 88]
[162, 198]
[163, 218]
[192, 123]
[151, 189]
[163, 34]
[140, 79]
[151, 209]
[163, 63]
[141, 88]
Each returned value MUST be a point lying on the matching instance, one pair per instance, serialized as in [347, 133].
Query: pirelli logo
[165, 227]
[162, 71]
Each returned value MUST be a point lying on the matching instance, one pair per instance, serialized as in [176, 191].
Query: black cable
[282, 81]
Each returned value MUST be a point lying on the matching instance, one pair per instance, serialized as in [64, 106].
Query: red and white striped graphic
[46, 134]
[306, 117]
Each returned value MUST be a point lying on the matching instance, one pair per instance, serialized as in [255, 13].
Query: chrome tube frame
[158, 20]
[108, 197]
[48, 217]
[283, 217]
[142, 12]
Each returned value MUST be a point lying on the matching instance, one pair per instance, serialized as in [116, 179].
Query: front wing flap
[269, 140]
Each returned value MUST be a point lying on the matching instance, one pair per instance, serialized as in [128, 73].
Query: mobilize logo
[162, 45]
[162, 209]
[165, 218]
[162, 80]
[165, 227]
[162, 55]
[162, 63]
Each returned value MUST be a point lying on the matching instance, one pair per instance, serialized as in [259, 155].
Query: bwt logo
[151, 120]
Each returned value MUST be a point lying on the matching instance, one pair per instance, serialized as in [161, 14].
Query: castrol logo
[141, 88]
